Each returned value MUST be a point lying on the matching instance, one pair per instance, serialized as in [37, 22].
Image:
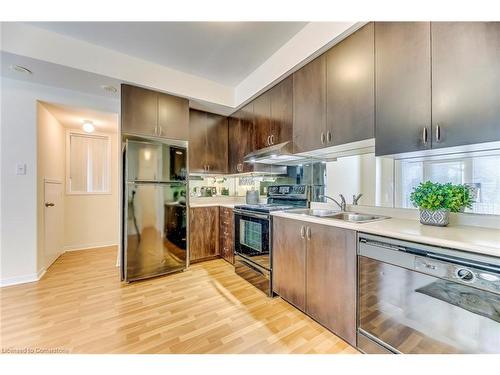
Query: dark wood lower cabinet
[203, 233]
[331, 279]
[226, 233]
[314, 268]
[289, 261]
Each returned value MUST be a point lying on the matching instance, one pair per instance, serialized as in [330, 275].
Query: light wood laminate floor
[80, 306]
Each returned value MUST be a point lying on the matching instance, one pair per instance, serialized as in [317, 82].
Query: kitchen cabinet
[139, 110]
[241, 135]
[402, 87]
[314, 268]
[226, 232]
[208, 142]
[465, 83]
[289, 261]
[331, 279]
[262, 118]
[273, 115]
[173, 117]
[203, 233]
[309, 106]
[151, 113]
[350, 72]
[281, 97]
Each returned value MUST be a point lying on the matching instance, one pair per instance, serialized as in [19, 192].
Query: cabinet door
[262, 118]
[309, 106]
[217, 142]
[242, 139]
[350, 76]
[173, 117]
[289, 261]
[402, 87]
[139, 110]
[203, 233]
[465, 83]
[282, 111]
[331, 279]
[197, 141]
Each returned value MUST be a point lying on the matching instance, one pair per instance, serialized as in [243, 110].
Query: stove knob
[465, 275]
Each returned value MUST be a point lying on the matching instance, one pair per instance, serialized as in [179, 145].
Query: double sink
[352, 217]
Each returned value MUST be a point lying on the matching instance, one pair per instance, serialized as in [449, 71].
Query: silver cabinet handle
[160, 130]
[239, 167]
[424, 135]
[302, 232]
[328, 136]
[308, 233]
[322, 138]
[49, 204]
[438, 133]
[272, 139]
[268, 140]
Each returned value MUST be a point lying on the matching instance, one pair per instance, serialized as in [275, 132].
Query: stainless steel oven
[415, 298]
[252, 232]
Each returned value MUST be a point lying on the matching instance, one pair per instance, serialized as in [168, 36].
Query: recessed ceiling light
[20, 69]
[88, 126]
[109, 88]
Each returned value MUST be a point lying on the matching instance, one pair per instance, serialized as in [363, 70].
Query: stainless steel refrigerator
[154, 228]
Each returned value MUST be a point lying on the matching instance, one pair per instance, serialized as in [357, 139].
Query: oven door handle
[250, 214]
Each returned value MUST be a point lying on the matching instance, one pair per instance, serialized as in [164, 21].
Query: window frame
[105, 136]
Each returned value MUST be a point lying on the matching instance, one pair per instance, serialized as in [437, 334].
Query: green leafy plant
[435, 196]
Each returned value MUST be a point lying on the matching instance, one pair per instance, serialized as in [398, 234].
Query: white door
[54, 221]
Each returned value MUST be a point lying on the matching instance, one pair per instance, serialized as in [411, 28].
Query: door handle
[328, 136]
[322, 138]
[302, 232]
[268, 140]
[438, 133]
[49, 204]
[308, 233]
[272, 139]
[424, 135]
[160, 130]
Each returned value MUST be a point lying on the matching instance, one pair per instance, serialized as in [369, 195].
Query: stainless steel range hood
[280, 154]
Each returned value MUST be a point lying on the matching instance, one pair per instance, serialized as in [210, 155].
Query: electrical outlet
[21, 169]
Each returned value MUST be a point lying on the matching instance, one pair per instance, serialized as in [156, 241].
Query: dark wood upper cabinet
[241, 139]
[402, 87]
[465, 83]
[262, 120]
[203, 233]
[197, 141]
[350, 73]
[309, 106]
[289, 261]
[281, 97]
[208, 142]
[173, 117]
[139, 110]
[151, 113]
[331, 279]
[217, 143]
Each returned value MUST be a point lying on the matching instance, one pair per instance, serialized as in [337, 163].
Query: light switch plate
[21, 169]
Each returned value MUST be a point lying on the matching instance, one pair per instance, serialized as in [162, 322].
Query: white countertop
[468, 238]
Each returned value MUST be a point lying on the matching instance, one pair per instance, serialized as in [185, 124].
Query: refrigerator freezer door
[155, 229]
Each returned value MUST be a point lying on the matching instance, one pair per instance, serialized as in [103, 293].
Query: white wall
[51, 156]
[92, 220]
[19, 193]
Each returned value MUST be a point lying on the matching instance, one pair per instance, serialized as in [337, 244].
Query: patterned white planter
[439, 218]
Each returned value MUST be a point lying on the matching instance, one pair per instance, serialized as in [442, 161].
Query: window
[480, 172]
[88, 166]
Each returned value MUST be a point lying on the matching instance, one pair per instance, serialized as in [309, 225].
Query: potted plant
[436, 201]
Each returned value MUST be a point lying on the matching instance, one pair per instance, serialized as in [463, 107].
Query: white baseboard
[89, 246]
[20, 279]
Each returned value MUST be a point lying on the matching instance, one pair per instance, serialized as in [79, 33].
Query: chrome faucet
[342, 204]
[356, 198]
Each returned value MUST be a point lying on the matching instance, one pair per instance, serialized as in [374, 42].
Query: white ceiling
[224, 52]
[71, 117]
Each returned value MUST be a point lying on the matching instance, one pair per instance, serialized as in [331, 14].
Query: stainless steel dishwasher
[415, 298]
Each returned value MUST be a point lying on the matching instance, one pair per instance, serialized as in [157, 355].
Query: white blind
[89, 164]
